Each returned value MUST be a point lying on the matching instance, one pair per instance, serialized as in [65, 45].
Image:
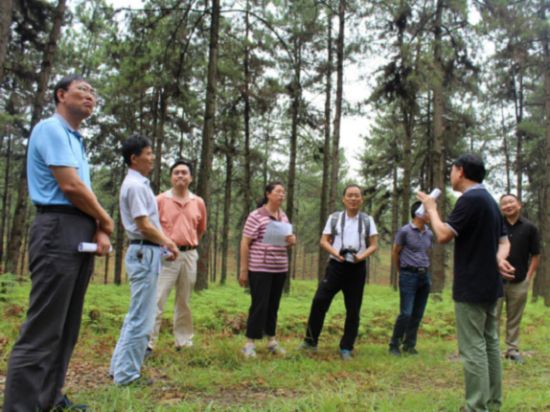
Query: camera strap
[343, 223]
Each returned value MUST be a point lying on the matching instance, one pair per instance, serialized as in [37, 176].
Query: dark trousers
[266, 290]
[348, 278]
[60, 277]
[414, 289]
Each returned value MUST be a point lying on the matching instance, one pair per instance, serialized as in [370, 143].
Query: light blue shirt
[137, 200]
[54, 143]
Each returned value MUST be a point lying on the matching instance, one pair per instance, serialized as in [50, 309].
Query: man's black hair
[509, 194]
[65, 83]
[414, 208]
[182, 162]
[134, 145]
[350, 186]
[473, 167]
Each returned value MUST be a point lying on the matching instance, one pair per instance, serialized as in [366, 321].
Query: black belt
[419, 270]
[186, 248]
[65, 209]
[143, 242]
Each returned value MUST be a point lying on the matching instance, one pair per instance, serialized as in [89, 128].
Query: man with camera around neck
[350, 237]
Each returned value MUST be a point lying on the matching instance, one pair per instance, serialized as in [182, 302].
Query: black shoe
[515, 357]
[410, 351]
[67, 405]
[140, 382]
[148, 352]
[394, 351]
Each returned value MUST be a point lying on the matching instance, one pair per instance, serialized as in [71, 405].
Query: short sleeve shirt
[415, 246]
[137, 200]
[263, 257]
[524, 243]
[478, 225]
[351, 238]
[54, 143]
[182, 221]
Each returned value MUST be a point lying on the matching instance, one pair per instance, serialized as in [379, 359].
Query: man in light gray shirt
[140, 217]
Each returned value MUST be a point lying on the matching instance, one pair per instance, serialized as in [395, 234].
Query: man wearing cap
[183, 219]
[67, 213]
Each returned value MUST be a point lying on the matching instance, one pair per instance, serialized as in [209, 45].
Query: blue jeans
[414, 289]
[143, 266]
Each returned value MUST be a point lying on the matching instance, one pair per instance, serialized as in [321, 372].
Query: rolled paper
[88, 247]
[434, 194]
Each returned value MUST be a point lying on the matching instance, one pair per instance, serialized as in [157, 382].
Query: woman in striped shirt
[264, 267]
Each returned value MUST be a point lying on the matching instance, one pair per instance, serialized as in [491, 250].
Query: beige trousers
[181, 274]
[515, 298]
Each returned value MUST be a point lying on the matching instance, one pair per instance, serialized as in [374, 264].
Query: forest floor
[214, 376]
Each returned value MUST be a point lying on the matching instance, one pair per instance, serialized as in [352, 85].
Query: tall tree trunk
[119, 236]
[5, 212]
[227, 209]
[438, 252]
[337, 104]
[519, 103]
[394, 222]
[296, 99]
[325, 187]
[207, 150]
[159, 139]
[507, 163]
[18, 224]
[215, 247]
[6, 8]
[544, 274]
[247, 187]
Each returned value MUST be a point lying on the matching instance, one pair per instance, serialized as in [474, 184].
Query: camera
[348, 254]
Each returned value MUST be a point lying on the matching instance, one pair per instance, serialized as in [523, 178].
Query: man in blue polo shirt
[481, 248]
[68, 213]
[410, 253]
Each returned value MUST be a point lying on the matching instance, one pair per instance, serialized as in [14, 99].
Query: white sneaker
[185, 344]
[249, 351]
[276, 349]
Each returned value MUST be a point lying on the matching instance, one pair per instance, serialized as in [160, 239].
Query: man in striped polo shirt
[410, 254]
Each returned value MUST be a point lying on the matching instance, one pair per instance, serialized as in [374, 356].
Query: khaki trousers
[181, 274]
[515, 296]
[476, 326]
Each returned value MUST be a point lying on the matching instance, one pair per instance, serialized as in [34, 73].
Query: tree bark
[227, 209]
[544, 274]
[6, 8]
[438, 251]
[325, 187]
[207, 150]
[5, 213]
[337, 105]
[394, 223]
[16, 237]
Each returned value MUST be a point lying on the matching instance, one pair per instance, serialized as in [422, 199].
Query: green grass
[213, 376]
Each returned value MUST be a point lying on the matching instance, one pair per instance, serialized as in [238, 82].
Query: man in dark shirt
[410, 254]
[481, 248]
[524, 256]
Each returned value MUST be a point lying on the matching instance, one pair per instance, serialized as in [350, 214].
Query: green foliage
[213, 375]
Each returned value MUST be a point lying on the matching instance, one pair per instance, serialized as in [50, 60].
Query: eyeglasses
[86, 89]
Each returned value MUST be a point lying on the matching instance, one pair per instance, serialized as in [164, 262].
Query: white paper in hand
[434, 194]
[88, 247]
[276, 233]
